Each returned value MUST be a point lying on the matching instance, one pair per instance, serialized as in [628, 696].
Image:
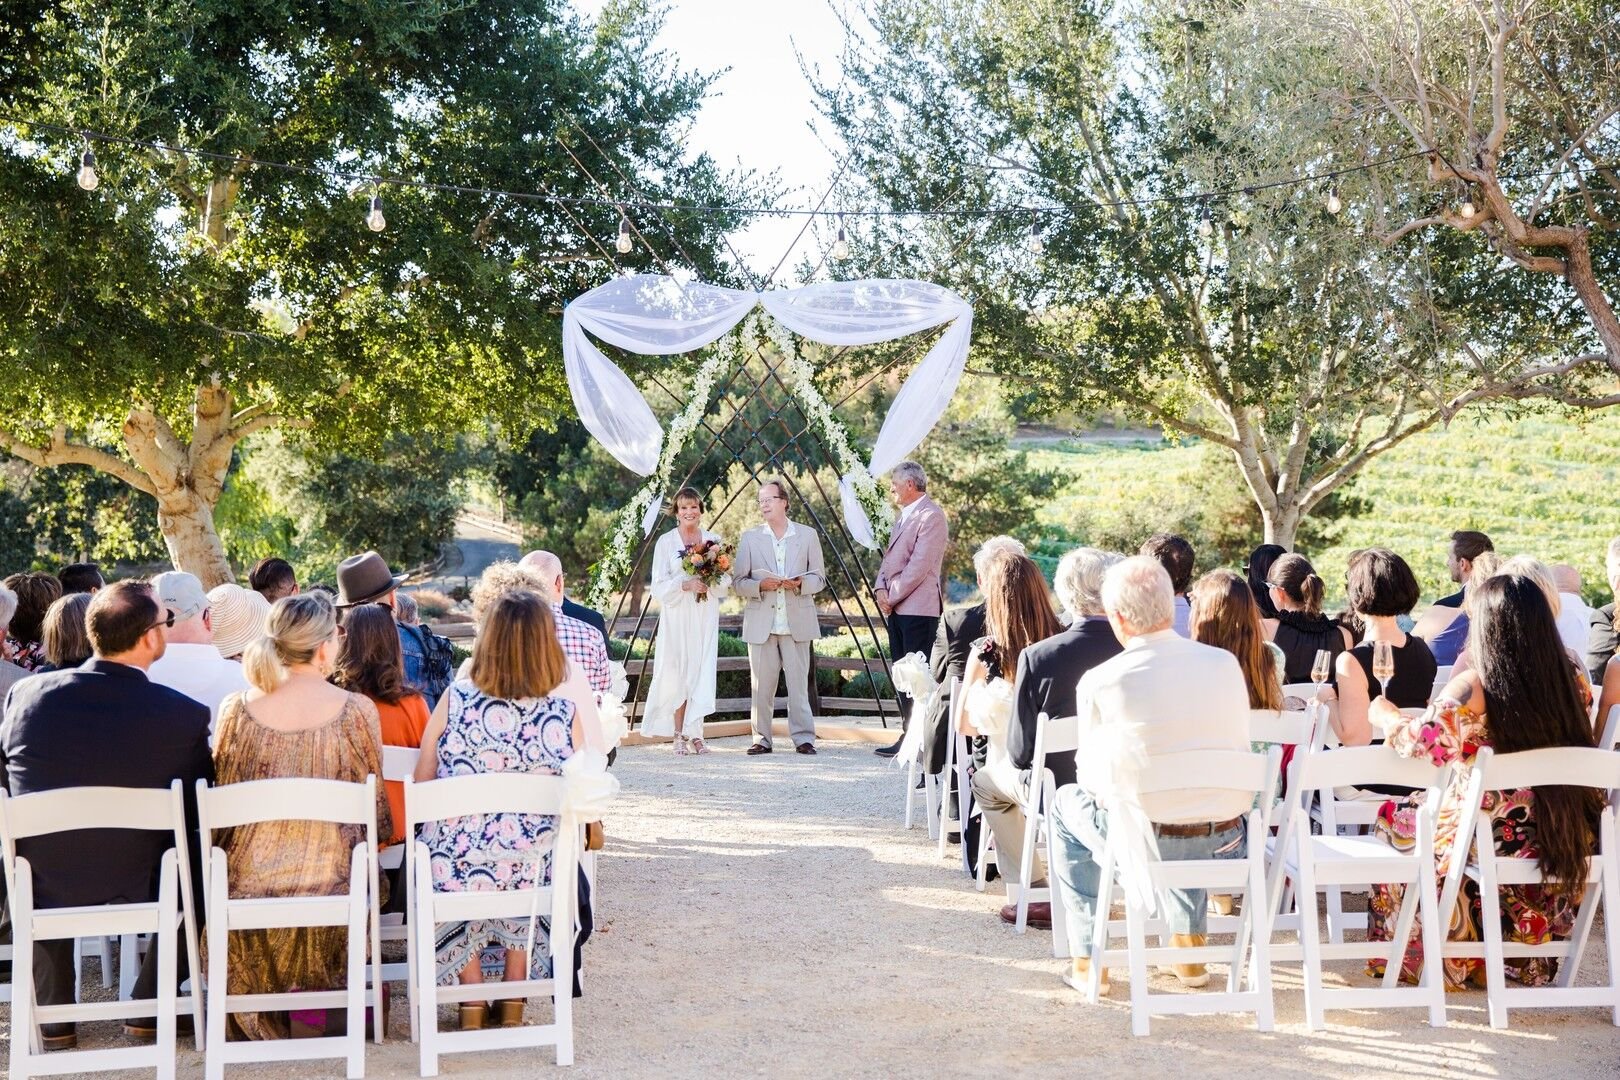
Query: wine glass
[1321, 667]
[1383, 665]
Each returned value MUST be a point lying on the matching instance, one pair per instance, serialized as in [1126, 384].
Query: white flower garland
[615, 566]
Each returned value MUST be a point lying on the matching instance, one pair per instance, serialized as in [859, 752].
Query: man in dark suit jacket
[586, 615]
[1048, 672]
[958, 629]
[102, 724]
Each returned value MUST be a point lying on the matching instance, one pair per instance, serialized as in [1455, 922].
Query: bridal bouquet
[709, 561]
[989, 706]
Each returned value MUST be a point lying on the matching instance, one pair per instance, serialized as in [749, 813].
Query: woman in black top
[1299, 628]
[1381, 588]
[1257, 569]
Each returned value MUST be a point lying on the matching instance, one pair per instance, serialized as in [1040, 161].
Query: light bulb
[374, 217]
[1333, 203]
[624, 242]
[1467, 208]
[87, 177]
[1206, 227]
[840, 248]
[1035, 244]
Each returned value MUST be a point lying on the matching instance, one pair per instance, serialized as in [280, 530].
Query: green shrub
[860, 685]
[432, 604]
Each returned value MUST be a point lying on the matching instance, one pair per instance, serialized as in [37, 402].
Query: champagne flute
[1383, 664]
[1321, 667]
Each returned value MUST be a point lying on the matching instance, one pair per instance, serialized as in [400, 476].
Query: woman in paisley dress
[503, 717]
[1524, 693]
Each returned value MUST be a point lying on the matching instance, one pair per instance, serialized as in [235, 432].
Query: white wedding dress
[686, 647]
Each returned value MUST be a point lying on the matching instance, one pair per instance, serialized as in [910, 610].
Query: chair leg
[1141, 1022]
[1060, 915]
[983, 879]
[1610, 860]
[218, 975]
[1402, 938]
[1258, 927]
[911, 781]
[1309, 931]
[164, 943]
[932, 804]
[23, 1049]
[427, 1003]
[1026, 862]
[355, 1037]
[1434, 931]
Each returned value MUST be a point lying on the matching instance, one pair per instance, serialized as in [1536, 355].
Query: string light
[374, 217]
[1467, 207]
[87, 177]
[840, 248]
[624, 242]
[1206, 225]
[1034, 243]
[1334, 205]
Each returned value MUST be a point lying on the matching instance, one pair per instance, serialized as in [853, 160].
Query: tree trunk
[194, 545]
[1281, 524]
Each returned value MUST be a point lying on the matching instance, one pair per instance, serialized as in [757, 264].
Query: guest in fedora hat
[366, 579]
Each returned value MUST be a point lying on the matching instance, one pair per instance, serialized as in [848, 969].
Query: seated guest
[505, 578]
[1574, 617]
[1600, 633]
[238, 616]
[550, 569]
[1225, 615]
[293, 723]
[584, 642]
[191, 664]
[1047, 673]
[1440, 626]
[1261, 560]
[1299, 628]
[516, 668]
[67, 642]
[273, 578]
[405, 611]
[1448, 627]
[1524, 693]
[1176, 556]
[80, 577]
[366, 579]
[104, 724]
[1381, 588]
[1018, 612]
[958, 629]
[369, 662]
[9, 672]
[36, 592]
[1152, 683]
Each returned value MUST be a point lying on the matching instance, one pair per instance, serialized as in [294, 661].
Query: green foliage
[563, 489]
[17, 547]
[862, 685]
[76, 514]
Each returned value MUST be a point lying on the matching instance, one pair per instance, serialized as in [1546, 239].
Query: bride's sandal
[697, 746]
[680, 745]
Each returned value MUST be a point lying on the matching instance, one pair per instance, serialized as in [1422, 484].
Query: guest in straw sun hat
[238, 618]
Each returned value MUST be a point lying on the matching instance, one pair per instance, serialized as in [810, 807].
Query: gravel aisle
[769, 916]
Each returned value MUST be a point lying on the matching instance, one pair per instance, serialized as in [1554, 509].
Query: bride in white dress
[688, 640]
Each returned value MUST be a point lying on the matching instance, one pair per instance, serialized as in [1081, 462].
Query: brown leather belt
[1202, 828]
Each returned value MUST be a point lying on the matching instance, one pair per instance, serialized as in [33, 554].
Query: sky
[759, 110]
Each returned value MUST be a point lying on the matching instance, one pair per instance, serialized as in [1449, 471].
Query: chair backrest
[288, 798]
[1226, 770]
[1356, 766]
[482, 793]
[956, 702]
[1305, 691]
[399, 762]
[69, 809]
[1288, 728]
[1054, 735]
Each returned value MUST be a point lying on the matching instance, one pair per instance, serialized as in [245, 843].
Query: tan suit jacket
[756, 561]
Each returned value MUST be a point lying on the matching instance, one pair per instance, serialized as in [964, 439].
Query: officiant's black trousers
[909, 634]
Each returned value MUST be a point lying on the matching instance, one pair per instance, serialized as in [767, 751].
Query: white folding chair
[1610, 735]
[955, 768]
[494, 793]
[1052, 736]
[292, 799]
[1577, 767]
[170, 919]
[1334, 814]
[1331, 860]
[399, 765]
[1227, 770]
[933, 803]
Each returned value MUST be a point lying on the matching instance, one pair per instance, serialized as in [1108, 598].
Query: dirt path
[769, 916]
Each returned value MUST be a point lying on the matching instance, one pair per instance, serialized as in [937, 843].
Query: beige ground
[768, 916]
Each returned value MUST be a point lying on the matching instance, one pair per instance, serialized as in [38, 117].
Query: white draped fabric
[654, 315]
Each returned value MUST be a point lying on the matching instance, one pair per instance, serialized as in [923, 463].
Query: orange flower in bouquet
[709, 561]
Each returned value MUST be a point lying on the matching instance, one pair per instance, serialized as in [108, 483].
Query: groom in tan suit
[777, 570]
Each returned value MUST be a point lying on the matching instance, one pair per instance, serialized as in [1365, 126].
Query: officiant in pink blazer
[778, 568]
[910, 587]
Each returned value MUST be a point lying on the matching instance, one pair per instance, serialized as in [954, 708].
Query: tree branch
[60, 451]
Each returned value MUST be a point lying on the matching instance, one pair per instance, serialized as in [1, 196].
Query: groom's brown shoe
[806, 748]
[758, 748]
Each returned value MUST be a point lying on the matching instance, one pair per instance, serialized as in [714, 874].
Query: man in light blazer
[777, 570]
[910, 587]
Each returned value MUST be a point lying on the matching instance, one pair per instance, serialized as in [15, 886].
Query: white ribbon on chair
[911, 676]
[655, 315]
[588, 790]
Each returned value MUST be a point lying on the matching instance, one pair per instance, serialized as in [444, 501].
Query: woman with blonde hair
[292, 722]
[504, 716]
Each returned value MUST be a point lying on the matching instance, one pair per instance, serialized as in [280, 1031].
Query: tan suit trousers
[781, 656]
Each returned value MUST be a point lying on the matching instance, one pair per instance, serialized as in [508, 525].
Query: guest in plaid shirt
[584, 644]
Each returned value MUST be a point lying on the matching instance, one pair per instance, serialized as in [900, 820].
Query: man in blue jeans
[1185, 696]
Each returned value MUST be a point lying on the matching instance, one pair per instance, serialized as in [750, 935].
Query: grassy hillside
[1545, 486]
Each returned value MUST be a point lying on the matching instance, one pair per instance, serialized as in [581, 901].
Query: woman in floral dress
[502, 718]
[1524, 693]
